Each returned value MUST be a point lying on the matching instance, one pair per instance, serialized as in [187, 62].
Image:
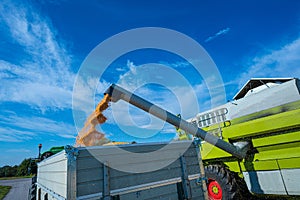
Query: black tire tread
[225, 179]
[32, 190]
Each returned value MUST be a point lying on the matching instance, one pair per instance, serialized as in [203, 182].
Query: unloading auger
[116, 93]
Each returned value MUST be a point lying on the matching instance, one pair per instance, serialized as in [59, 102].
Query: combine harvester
[264, 118]
[253, 138]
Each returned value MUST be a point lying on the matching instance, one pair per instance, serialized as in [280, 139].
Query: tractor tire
[32, 190]
[221, 184]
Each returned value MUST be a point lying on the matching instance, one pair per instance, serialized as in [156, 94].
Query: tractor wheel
[32, 190]
[220, 183]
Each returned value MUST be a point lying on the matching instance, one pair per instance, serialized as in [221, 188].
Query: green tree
[8, 171]
[27, 167]
[24, 168]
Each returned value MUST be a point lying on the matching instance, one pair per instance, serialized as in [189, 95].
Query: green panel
[55, 150]
[209, 151]
[285, 146]
[290, 150]
[233, 166]
[259, 165]
[279, 147]
[277, 139]
[289, 163]
[276, 122]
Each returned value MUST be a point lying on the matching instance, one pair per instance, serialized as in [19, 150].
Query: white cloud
[84, 94]
[131, 67]
[221, 32]
[41, 77]
[19, 129]
[178, 64]
[120, 69]
[4, 137]
[9, 134]
[283, 62]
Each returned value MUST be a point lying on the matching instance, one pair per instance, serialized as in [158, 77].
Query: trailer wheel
[220, 184]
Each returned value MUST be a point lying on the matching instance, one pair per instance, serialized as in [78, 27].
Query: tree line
[26, 168]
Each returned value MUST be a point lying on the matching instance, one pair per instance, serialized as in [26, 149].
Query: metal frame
[187, 193]
[71, 154]
[202, 179]
[106, 182]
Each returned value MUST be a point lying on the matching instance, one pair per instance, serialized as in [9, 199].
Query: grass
[15, 177]
[3, 191]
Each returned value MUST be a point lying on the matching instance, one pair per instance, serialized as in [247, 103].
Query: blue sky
[43, 44]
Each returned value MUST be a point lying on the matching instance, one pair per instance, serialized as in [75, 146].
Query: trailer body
[90, 173]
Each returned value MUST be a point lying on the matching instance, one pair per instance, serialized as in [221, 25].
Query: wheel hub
[214, 190]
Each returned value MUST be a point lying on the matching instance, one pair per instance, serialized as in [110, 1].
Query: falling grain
[89, 135]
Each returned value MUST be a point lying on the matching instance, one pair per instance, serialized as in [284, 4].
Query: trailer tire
[220, 183]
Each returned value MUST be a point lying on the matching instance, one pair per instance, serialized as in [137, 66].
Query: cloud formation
[35, 74]
[221, 32]
[282, 62]
[14, 128]
[40, 76]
